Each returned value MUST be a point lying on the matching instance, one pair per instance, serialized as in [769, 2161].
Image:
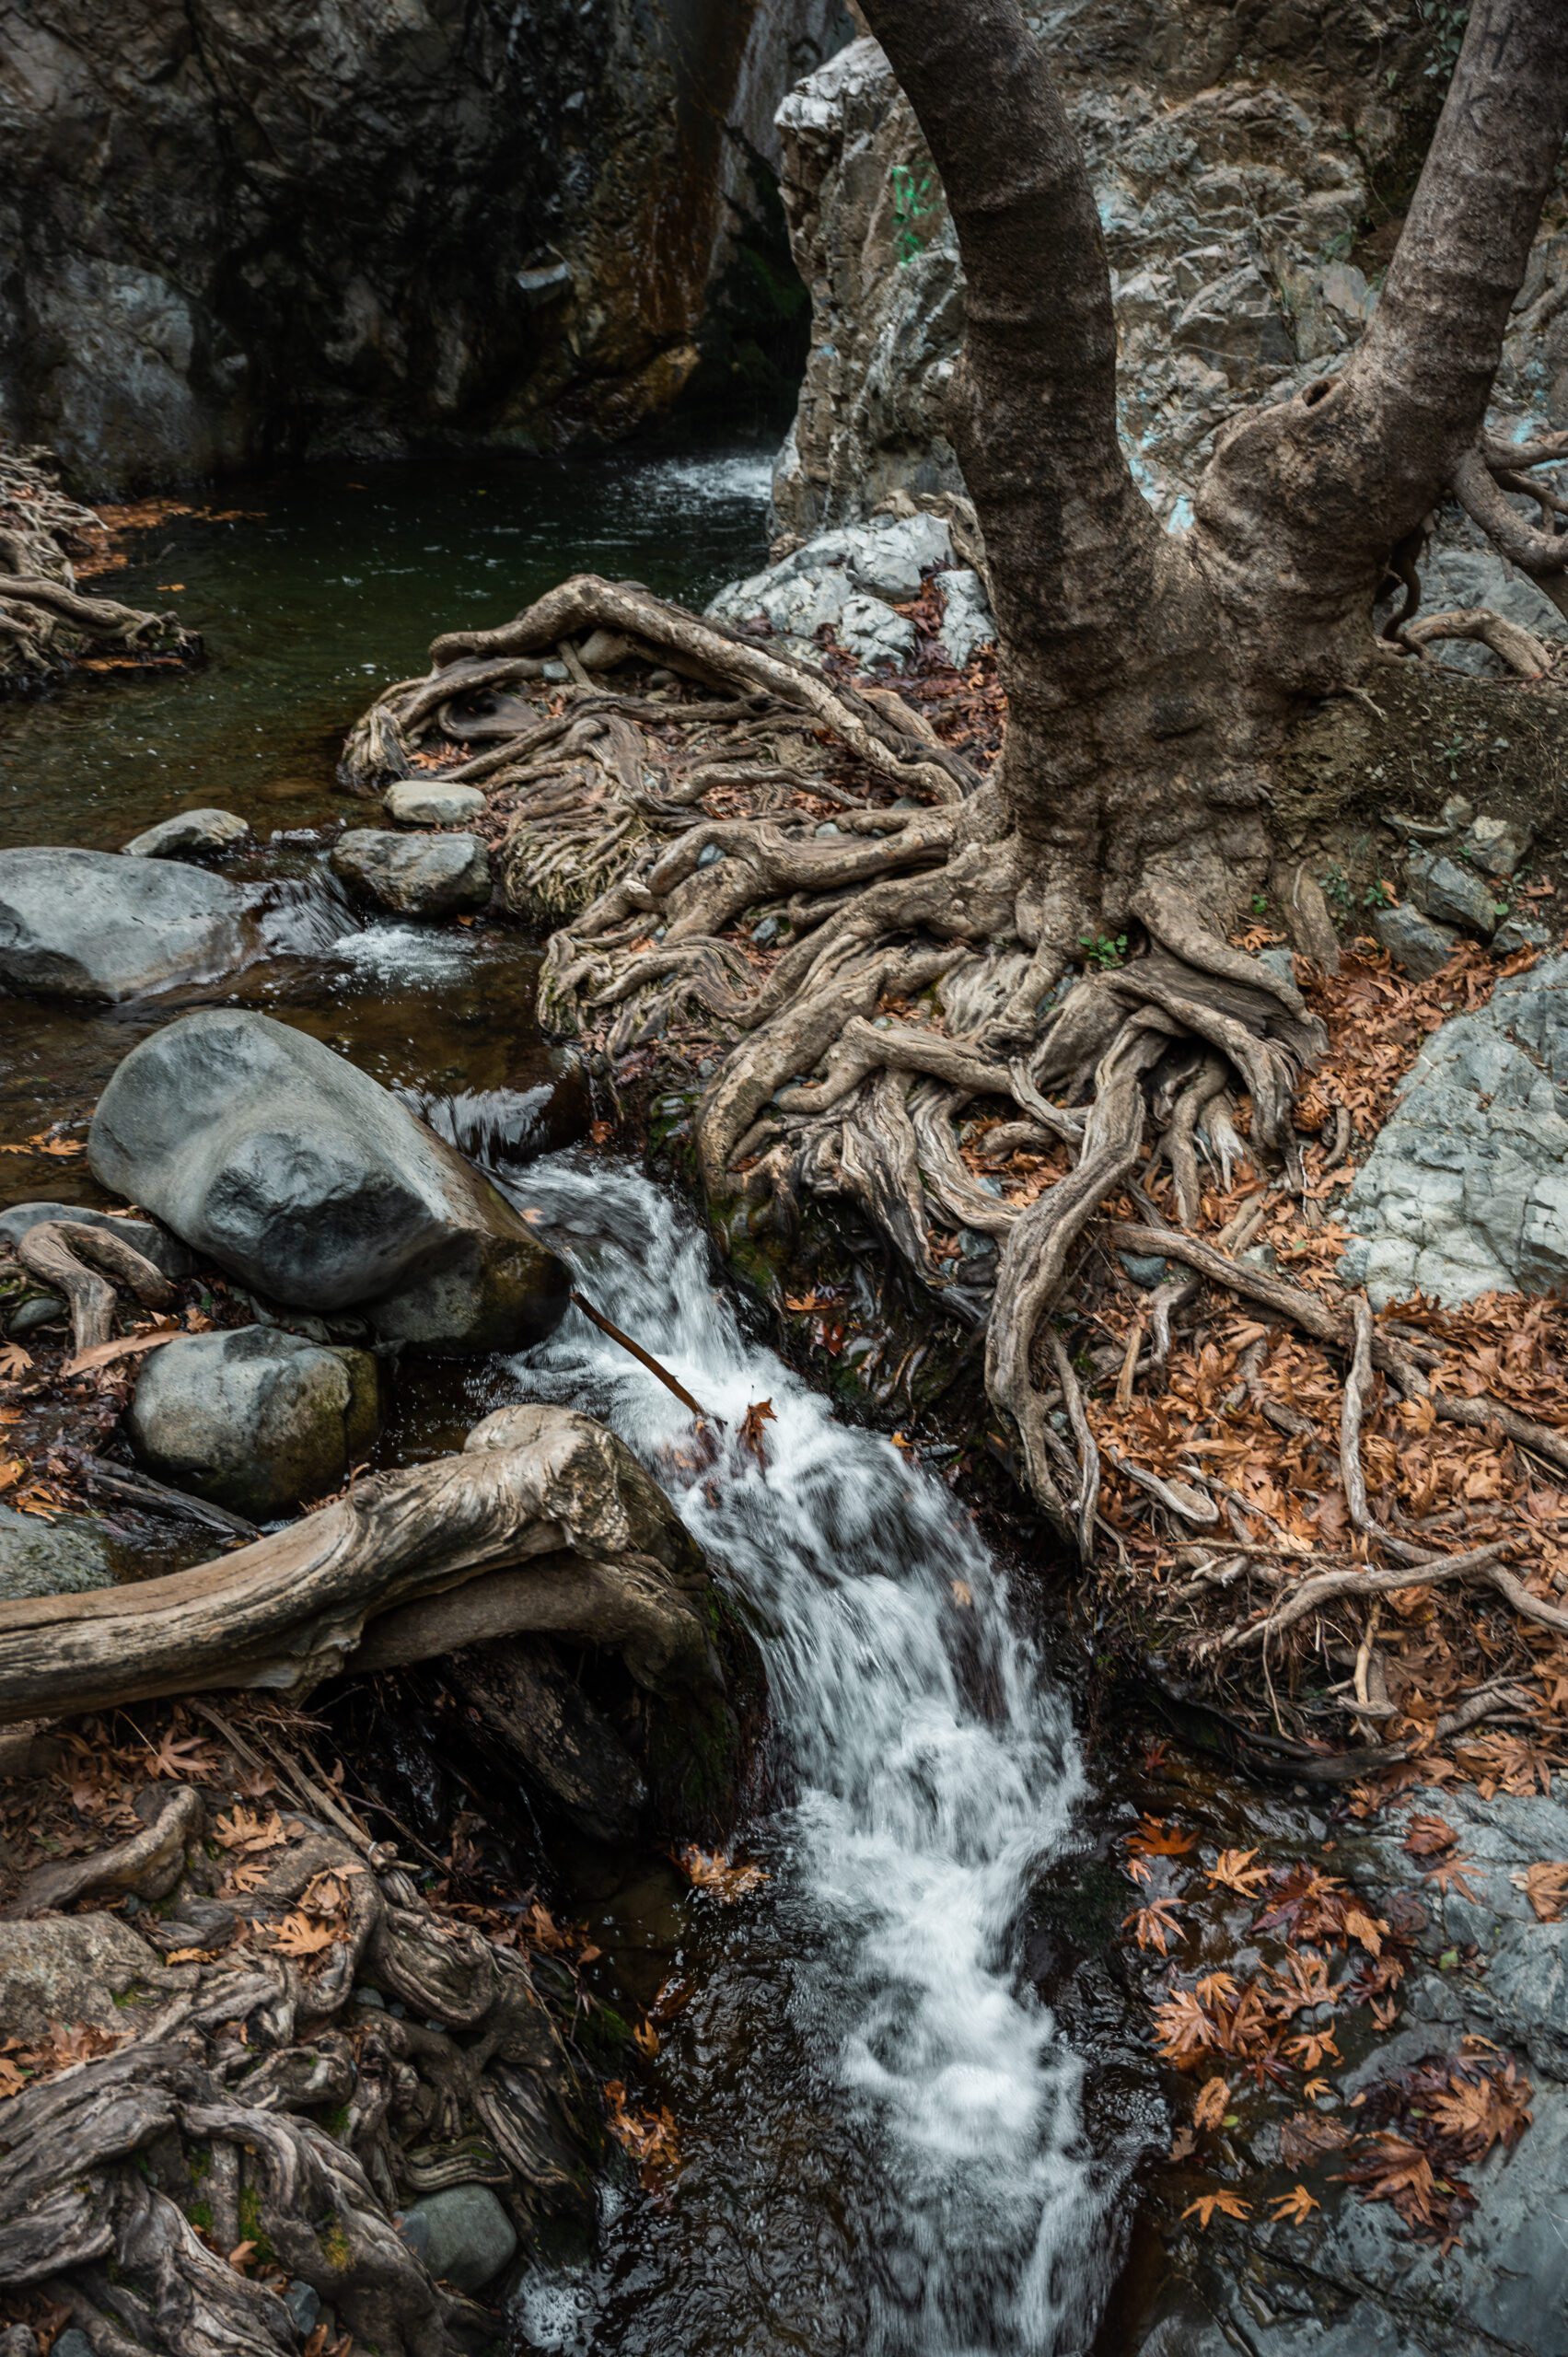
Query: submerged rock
[57, 1557]
[414, 876]
[256, 1419]
[314, 1185]
[96, 924]
[1466, 1190]
[425, 802]
[463, 2234]
[188, 834]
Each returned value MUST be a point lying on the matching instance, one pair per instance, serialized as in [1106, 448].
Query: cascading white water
[930, 1768]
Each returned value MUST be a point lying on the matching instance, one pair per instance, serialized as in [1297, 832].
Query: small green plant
[1259, 904]
[1102, 949]
[1447, 19]
[913, 200]
[1378, 895]
[1336, 890]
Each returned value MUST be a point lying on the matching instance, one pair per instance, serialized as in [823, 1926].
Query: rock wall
[1251, 163]
[237, 232]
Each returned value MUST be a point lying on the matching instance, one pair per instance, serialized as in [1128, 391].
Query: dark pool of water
[326, 586]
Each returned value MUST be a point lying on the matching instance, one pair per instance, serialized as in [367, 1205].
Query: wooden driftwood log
[545, 1524]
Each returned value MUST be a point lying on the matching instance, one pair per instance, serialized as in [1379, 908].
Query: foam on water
[932, 1768]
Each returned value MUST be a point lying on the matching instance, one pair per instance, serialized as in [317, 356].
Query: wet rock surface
[1466, 1189]
[296, 1172]
[190, 834]
[414, 876]
[97, 925]
[57, 1555]
[255, 1418]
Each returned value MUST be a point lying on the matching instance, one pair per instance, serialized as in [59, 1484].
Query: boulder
[1452, 893]
[62, 1556]
[845, 580]
[462, 2234]
[967, 623]
[414, 876]
[276, 1158]
[425, 802]
[1466, 1190]
[96, 924]
[255, 1418]
[189, 834]
[1417, 947]
[1496, 844]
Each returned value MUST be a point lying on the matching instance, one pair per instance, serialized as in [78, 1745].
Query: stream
[881, 2126]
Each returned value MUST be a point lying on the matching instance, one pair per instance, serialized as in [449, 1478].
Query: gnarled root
[162, 2179]
[46, 623]
[80, 1260]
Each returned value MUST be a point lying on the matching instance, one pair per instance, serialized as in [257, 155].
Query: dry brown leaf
[14, 1361]
[710, 1870]
[1213, 2102]
[1229, 2205]
[1546, 1886]
[760, 1412]
[1293, 2208]
[298, 1935]
[123, 1346]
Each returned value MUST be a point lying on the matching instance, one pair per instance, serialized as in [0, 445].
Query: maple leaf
[1310, 2048]
[1293, 2208]
[14, 1361]
[1216, 1988]
[1546, 1887]
[1229, 2205]
[1213, 2102]
[646, 2037]
[1449, 1875]
[11, 1471]
[182, 1755]
[1430, 1837]
[247, 1876]
[1155, 1838]
[1367, 1929]
[1182, 2030]
[711, 1870]
[760, 1412]
[243, 1829]
[62, 1148]
[12, 2079]
[1155, 1925]
[297, 1935]
[1234, 1870]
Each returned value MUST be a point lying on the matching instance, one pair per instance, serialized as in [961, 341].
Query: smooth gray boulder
[425, 802]
[275, 1157]
[462, 2234]
[1417, 946]
[255, 1418]
[188, 834]
[414, 876]
[57, 1557]
[96, 924]
[1466, 1190]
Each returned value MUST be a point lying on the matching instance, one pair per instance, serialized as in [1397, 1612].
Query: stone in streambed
[414, 876]
[189, 834]
[95, 924]
[255, 1418]
[425, 802]
[1454, 895]
[463, 2234]
[58, 1557]
[304, 1177]
[1417, 947]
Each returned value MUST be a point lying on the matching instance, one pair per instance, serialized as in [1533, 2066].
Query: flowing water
[924, 2143]
[881, 2128]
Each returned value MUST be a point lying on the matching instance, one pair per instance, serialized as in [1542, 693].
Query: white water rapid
[927, 1768]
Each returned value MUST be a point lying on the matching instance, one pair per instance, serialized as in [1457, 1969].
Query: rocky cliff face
[1252, 164]
[237, 232]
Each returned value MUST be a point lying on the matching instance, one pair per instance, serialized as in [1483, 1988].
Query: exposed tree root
[46, 624]
[162, 2177]
[888, 1009]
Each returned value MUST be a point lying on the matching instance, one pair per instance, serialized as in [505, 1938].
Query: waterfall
[928, 1768]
